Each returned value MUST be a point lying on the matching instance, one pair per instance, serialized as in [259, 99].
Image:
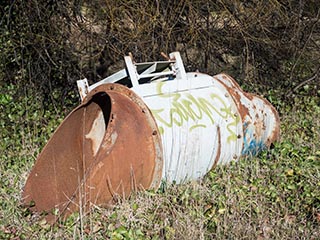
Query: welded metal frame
[175, 70]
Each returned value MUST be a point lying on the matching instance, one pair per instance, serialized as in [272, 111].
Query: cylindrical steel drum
[120, 140]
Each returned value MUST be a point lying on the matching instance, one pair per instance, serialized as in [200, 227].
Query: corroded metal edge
[252, 109]
[157, 174]
[52, 199]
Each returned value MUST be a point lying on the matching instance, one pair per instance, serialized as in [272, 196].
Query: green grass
[273, 196]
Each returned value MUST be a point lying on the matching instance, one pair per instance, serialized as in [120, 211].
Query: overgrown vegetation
[270, 47]
[267, 44]
[275, 195]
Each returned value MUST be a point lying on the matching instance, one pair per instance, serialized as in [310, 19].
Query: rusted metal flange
[107, 146]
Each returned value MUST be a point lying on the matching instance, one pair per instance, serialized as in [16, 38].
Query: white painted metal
[200, 118]
[134, 76]
[178, 67]
[198, 121]
[83, 88]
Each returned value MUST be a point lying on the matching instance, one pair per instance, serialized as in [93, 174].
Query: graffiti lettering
[187, 107]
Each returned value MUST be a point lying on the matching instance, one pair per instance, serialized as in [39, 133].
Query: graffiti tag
[186, 107]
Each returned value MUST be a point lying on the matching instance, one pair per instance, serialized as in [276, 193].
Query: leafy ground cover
[275, 195]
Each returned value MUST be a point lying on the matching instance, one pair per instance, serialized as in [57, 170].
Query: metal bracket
[149, 70]
[83, 88]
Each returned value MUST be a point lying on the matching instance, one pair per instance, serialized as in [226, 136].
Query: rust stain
[252, 114]
[274, 135]
[258, 129]
[216, 160]
[234, 90]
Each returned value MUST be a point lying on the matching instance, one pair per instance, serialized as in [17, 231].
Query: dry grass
[273, 196]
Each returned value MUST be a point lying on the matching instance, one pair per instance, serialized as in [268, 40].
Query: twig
[315, 76]
[305, 45]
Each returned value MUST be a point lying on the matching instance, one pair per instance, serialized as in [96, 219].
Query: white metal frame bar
[176, 65]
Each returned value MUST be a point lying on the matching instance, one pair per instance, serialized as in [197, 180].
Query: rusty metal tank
[147, 123]
[108, 146]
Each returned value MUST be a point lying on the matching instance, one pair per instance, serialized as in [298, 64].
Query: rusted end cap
[107, 146]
